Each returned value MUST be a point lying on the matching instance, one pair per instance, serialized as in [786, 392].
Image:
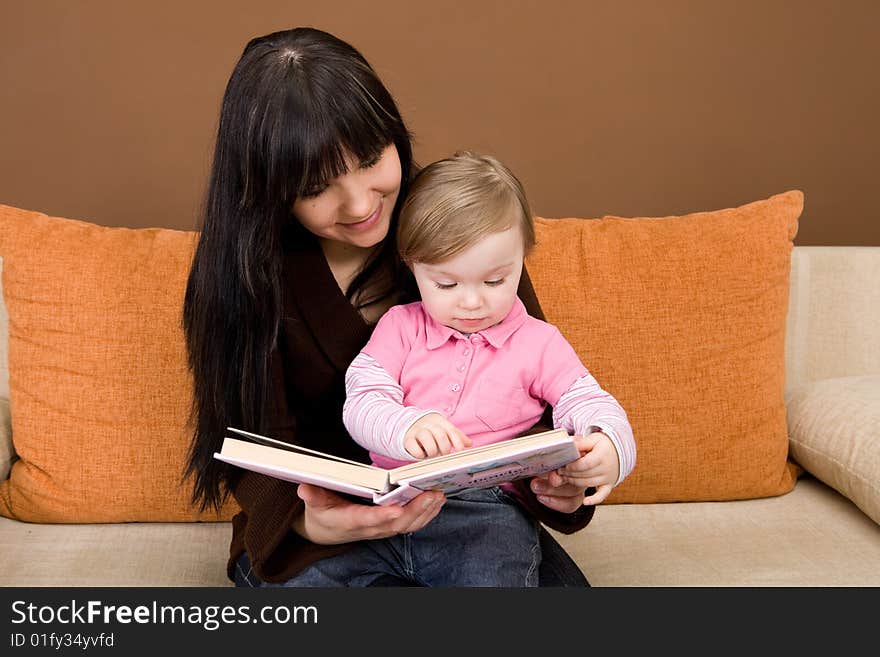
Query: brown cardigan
[321, 335]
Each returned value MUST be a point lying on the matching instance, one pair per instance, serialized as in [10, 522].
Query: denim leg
[479, 538]
[244, 573]
[371, 563]
[557, 567]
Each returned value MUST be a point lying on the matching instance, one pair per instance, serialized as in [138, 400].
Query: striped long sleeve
[586, 407]
[373, 412]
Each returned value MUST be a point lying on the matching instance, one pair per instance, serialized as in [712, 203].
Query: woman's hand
[330, 519]
[553, 492]
[563, 489]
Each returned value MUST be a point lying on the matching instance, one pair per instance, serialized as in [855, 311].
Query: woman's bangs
[356, 130]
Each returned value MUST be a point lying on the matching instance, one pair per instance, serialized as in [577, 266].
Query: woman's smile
[369, 222]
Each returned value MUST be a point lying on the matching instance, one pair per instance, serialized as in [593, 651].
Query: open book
[477, 467]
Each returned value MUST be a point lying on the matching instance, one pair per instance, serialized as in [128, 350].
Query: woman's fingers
[555, 485]
[331, 519]
[372, 522]
[564, 504]
[426, 507]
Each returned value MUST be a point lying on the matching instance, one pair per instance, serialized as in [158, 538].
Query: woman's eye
[371, 162]
[445, 286]
[313, 192]
[494, 283]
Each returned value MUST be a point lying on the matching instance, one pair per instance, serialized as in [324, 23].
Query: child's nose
[471, 299]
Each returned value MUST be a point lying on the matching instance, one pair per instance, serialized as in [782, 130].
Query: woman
[294, 266]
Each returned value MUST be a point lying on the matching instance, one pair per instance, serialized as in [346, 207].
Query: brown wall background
[633, 108]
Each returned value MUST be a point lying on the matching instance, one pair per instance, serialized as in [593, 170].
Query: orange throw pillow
[682, 319]
[99, 387]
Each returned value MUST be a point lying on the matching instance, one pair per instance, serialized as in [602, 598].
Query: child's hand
[432, 435]
[598, 466]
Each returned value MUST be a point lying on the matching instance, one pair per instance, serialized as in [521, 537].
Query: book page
[290, 447]
[293, 464]
[507, 449]
[299, 477]
[456, 478]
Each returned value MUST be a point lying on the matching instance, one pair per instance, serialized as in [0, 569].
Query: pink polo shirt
[493, 385]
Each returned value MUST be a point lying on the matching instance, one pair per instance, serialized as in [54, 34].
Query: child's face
[476, 288]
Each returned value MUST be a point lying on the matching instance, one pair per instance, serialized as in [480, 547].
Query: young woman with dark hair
[295, 263]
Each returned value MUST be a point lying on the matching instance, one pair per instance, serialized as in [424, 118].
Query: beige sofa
[824, 533]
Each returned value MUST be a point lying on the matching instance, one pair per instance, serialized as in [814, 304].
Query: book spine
[400, 495]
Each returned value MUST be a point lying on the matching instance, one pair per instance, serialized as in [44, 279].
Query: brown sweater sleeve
[269, 507]
[567, 523]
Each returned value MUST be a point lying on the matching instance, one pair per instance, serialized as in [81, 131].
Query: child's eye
[444, 286]
[494, 283]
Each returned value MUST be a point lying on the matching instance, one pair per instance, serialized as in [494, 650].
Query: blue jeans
[480, 538]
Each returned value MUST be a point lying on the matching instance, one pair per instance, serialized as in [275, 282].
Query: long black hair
[297, 104]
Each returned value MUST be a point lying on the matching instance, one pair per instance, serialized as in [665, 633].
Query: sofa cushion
[683, 320]
[7, 453]
[114, 554]
[99, 387]
[810, 537]
[834, 427]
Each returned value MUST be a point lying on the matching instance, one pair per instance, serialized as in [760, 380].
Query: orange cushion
[99, 387]
[683, 320]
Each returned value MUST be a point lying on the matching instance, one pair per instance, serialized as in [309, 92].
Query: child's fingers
[414, 448]
[422, 445]
[584, 465]
[592, 476]
[444, 443]
[599, 496]
[428, 443]
[437, 438]
[458, 439]
[585, 444]
[587, 482]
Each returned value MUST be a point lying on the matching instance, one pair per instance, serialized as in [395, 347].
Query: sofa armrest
[833, 325]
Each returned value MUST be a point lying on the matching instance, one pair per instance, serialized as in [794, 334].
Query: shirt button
[455, 387]
[466, 352]
[460, 368]
[448, 409]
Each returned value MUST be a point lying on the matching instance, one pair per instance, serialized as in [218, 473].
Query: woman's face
[355, 207]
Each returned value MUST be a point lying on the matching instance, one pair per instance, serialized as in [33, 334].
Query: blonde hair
[455, 202]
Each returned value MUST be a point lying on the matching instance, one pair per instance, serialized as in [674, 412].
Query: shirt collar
[438, 334]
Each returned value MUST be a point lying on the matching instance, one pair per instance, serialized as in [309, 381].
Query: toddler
[467, 366]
